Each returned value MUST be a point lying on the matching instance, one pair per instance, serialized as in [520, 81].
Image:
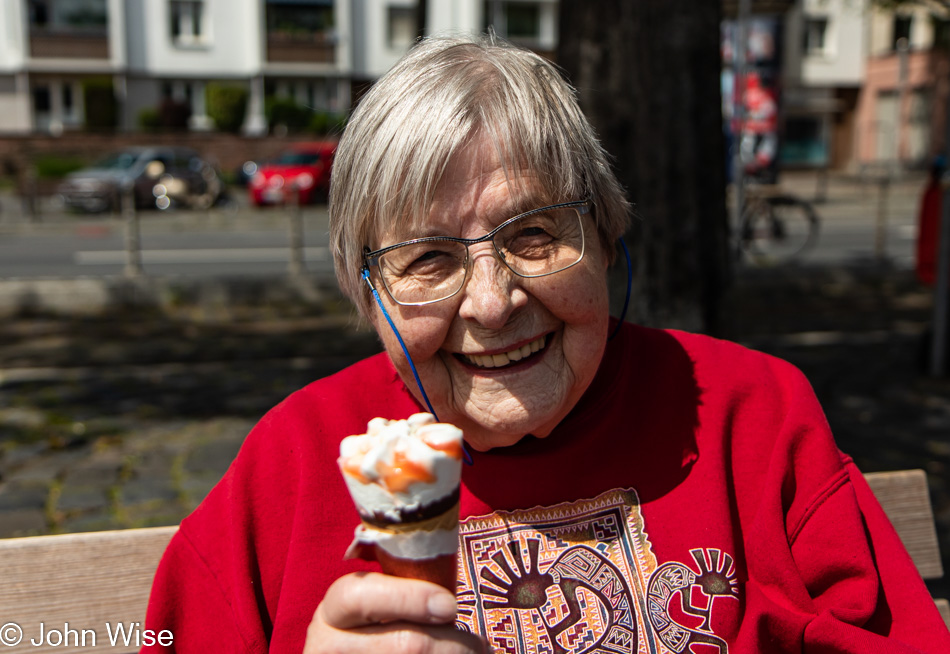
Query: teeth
[504, 358]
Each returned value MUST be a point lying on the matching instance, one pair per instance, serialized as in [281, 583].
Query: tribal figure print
[581, 578]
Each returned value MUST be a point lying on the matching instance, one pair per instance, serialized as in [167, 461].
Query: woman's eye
[429, 256]
[429, 262]
[528, 238]
[533, 231]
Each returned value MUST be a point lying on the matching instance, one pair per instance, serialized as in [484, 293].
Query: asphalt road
[219, 242]
[860, 222]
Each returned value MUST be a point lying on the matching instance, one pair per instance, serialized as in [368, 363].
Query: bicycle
[776, 227]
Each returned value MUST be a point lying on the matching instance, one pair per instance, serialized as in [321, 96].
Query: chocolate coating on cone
[423, 513]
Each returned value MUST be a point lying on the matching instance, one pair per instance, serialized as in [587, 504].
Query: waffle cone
[442, 570]
[447, 521]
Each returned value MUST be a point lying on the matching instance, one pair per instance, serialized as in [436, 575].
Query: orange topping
[451, 448]
[352, 467]
[402, 473]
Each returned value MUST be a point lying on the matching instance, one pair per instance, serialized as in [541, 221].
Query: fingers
[365, 599]
[371, 612]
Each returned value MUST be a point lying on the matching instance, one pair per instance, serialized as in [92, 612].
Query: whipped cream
[401, 465]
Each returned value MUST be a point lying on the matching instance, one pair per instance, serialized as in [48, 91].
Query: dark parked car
[161, 177]
[304, 167]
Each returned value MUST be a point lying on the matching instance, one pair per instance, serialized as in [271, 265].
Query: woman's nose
[492, 292]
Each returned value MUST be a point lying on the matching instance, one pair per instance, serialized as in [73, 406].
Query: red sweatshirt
[693, 501]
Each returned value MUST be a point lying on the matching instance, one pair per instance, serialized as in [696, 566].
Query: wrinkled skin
[497, 312]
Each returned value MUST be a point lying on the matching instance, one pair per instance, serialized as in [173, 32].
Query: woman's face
[566, 314]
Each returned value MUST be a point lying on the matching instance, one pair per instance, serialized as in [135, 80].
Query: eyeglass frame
[371, 257]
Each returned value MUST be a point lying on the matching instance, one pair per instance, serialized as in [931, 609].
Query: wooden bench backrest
[85, 580]
[91, 580]
[905, 498]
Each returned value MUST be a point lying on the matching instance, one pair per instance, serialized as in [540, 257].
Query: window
[522, 21]
[941, 28]
[68, 15]
[42, 102]
[514, 20]
[187, 21]
[39, 13]
[805, 142]
[902, 25]
[815, 36]
[299, 19]
[402, 27]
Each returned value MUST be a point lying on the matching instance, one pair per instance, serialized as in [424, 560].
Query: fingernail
[442, 607]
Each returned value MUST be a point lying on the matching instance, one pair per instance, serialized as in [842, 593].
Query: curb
[96, 296]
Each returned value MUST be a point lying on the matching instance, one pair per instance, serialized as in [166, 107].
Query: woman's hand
[372, 612]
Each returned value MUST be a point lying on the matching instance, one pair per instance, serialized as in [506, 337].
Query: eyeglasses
[533, 244]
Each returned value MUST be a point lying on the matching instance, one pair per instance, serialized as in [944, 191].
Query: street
[239, 240]
[219, 242]
[851, 215]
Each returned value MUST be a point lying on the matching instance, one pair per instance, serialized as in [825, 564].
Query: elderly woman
[629, 490]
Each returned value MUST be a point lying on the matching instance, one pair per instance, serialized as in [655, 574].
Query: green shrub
[286, 112]
[324, 122]
[54, 166]
[227, 106]
[100, 104]
[319, 122]
[149, 120]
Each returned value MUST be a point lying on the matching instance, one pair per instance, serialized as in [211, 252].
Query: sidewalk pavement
[128, 421]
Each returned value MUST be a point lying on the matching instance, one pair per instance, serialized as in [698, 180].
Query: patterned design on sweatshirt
[581, 578]
[570, 578]
[676, 589]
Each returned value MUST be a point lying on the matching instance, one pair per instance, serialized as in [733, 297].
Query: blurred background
[164, 270]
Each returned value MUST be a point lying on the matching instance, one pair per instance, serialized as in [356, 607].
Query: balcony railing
[301, 47]
[68, 45]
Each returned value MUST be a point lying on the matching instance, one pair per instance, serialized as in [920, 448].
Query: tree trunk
[647, 74]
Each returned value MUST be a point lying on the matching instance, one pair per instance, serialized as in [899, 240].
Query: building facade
[158, 58]
[902, 107]
[160, 55]
[824, 69]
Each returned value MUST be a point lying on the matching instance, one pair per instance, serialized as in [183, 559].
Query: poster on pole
[751, 105]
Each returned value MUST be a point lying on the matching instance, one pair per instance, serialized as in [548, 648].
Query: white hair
[443, 94]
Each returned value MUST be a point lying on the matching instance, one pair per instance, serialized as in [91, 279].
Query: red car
[304, 167]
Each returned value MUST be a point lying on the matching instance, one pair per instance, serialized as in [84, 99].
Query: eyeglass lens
[534, 245]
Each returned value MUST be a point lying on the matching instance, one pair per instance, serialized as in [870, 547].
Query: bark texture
[647, 74]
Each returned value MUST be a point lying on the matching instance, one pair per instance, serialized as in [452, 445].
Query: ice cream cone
[442, 570]
[403, 476]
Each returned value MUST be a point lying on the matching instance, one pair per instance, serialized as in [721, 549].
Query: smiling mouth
[502, 359]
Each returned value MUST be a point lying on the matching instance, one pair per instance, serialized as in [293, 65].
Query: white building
[825, 53]
[47, 50]
[160, 56]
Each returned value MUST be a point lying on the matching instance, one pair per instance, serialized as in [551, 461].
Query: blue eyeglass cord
[626, 299]
[412, 366]
[405, 350]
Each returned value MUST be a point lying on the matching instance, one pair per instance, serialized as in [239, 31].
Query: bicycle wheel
[778, 229]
